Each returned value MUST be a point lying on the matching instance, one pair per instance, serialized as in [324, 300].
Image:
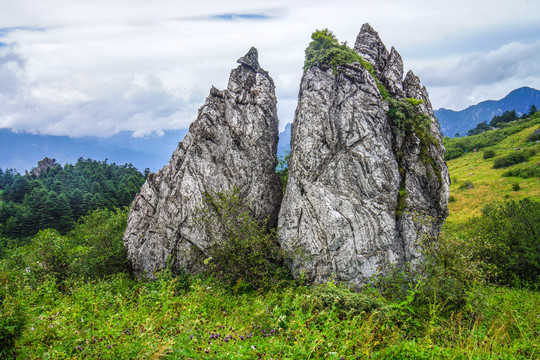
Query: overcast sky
[81, 67]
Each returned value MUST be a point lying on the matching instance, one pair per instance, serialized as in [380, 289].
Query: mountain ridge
[459, 122]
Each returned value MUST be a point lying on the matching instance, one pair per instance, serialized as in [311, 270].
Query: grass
[489, 184]
[187, 317]
[120, 318]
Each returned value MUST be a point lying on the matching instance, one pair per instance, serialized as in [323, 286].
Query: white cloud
[78, 68]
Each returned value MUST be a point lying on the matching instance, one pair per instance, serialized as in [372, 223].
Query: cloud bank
[83, 68]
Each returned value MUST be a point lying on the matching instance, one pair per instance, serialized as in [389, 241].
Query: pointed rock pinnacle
[251, 59]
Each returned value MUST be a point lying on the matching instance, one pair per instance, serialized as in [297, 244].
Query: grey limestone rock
[231, 144]
[251, 59]
[392, 74]
[370, 46]
[388, 66]
[338, 215]
[343, 216]
[425, 179]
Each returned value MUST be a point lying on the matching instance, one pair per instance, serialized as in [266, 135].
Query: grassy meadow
[72, 296]
[488, 184]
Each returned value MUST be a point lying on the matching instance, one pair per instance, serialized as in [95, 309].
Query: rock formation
[359, 194]
[43, 165]
[231, 144]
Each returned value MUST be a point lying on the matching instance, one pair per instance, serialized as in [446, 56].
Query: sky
[96, 68]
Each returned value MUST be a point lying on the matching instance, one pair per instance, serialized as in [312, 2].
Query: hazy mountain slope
[284, 144]
[453, 122]
[22, 151]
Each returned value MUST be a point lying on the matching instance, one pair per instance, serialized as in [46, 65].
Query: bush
[488, 154]
[283, 169]
[99, 237]
[453, 153]
[244, 251]
[535, 136]
[325, 49]
[524, 172]
[12, 315]
[439, 285]
[506, 236]
[467, 184]
[340, 299]
[451, 198]
[516, 187]
[50, 254]
[513, 158]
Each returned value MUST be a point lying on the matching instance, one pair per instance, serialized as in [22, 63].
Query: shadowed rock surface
[231, 144]
[341, 216]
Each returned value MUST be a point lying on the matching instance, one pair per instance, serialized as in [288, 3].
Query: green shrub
[485, 139]
[407, 119]
[488, 154]
[12, 315]
[439, 285]
[50, 254]
[513, 158]
[453, 153]
[244, 251]
[451, 198]
[524, 172]
[283, 170]
[326, 49]
[340, 299]
[98, 238]
[535, 136]
[516, 187]
[467, 184]
[506, 236]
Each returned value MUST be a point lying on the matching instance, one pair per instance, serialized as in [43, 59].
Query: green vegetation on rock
[326, 49]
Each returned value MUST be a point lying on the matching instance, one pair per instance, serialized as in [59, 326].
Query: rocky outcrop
[231, 144]
[359, 194]
[425, 177]
[43, 165]
[388, 66]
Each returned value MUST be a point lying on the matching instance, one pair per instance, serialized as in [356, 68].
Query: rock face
[359, 196]
[388, 66]
[232, 144]
[43, 165]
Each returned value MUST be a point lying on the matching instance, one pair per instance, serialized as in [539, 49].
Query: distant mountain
[461, 122]
[23, 151]
[284, 144]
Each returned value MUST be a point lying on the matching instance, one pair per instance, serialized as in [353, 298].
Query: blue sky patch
[7, 30]
[233, 17]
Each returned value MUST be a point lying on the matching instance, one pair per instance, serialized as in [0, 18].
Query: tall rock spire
[231, 144]
[360, 195]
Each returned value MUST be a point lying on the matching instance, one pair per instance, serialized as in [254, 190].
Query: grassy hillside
[475, 181]
[72, 296]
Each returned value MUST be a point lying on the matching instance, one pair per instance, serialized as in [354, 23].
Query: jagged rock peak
[392, 75]
[388, 66]
[231, 145]
[413, 89]
[43, 165]
[360, 194]
[370, 46]
[251, 59]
